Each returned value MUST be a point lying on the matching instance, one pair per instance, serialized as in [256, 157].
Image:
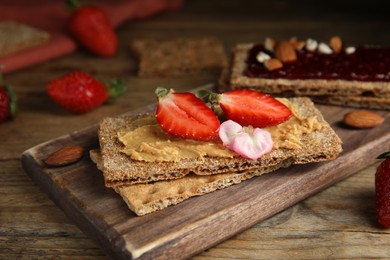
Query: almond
[293, 40]
[336, 44]
[362, 119]
[298, 45]
[285, 52]
[273, 64]
[65, 156]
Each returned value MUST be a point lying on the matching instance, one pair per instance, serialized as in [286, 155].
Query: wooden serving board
[198, 223]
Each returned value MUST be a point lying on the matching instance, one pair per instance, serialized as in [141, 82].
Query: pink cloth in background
[52, 16]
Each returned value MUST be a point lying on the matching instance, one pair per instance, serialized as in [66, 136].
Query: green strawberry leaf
[384, 155]
[161, 91]
[115, 88]
[204, 95]
[12, 100]
[74, 5]
[208, 96]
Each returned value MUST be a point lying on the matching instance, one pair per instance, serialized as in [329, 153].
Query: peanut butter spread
[150, 143]
[146, 141]
[289, 134]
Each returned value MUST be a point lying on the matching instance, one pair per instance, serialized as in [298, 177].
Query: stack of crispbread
[147, 186]
[360, 92]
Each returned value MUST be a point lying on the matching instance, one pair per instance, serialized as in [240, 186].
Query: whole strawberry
[382, 189]
[91, 26]
[7, 103]
[79, 92]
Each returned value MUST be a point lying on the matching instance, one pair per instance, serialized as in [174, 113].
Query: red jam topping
[365, 64]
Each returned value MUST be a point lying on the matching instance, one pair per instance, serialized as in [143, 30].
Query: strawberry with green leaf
[79, 92]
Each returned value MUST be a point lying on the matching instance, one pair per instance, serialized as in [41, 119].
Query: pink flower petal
[253, 146]
[228, 131]
[249, 143]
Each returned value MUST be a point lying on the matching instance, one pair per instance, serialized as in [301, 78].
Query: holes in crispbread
[287, 93]
[146, 201]
[368, 94]
[154, 190]
[181, 190]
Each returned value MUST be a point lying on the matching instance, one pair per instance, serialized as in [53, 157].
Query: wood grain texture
[186, 229]
[337, 223]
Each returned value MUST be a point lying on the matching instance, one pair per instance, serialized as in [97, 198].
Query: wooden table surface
[339, 222]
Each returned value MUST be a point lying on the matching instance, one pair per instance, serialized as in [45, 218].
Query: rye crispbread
[119, 169]
[146, 198]
[374, 95]
[178, 56]
[358, 102]
[15, 37]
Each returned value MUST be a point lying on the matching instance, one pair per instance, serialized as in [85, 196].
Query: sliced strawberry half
[250, 107]
[185, 115]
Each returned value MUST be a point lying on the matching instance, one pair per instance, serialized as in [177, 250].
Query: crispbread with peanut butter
[15, 37]
[366, 92]
[305, 137]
